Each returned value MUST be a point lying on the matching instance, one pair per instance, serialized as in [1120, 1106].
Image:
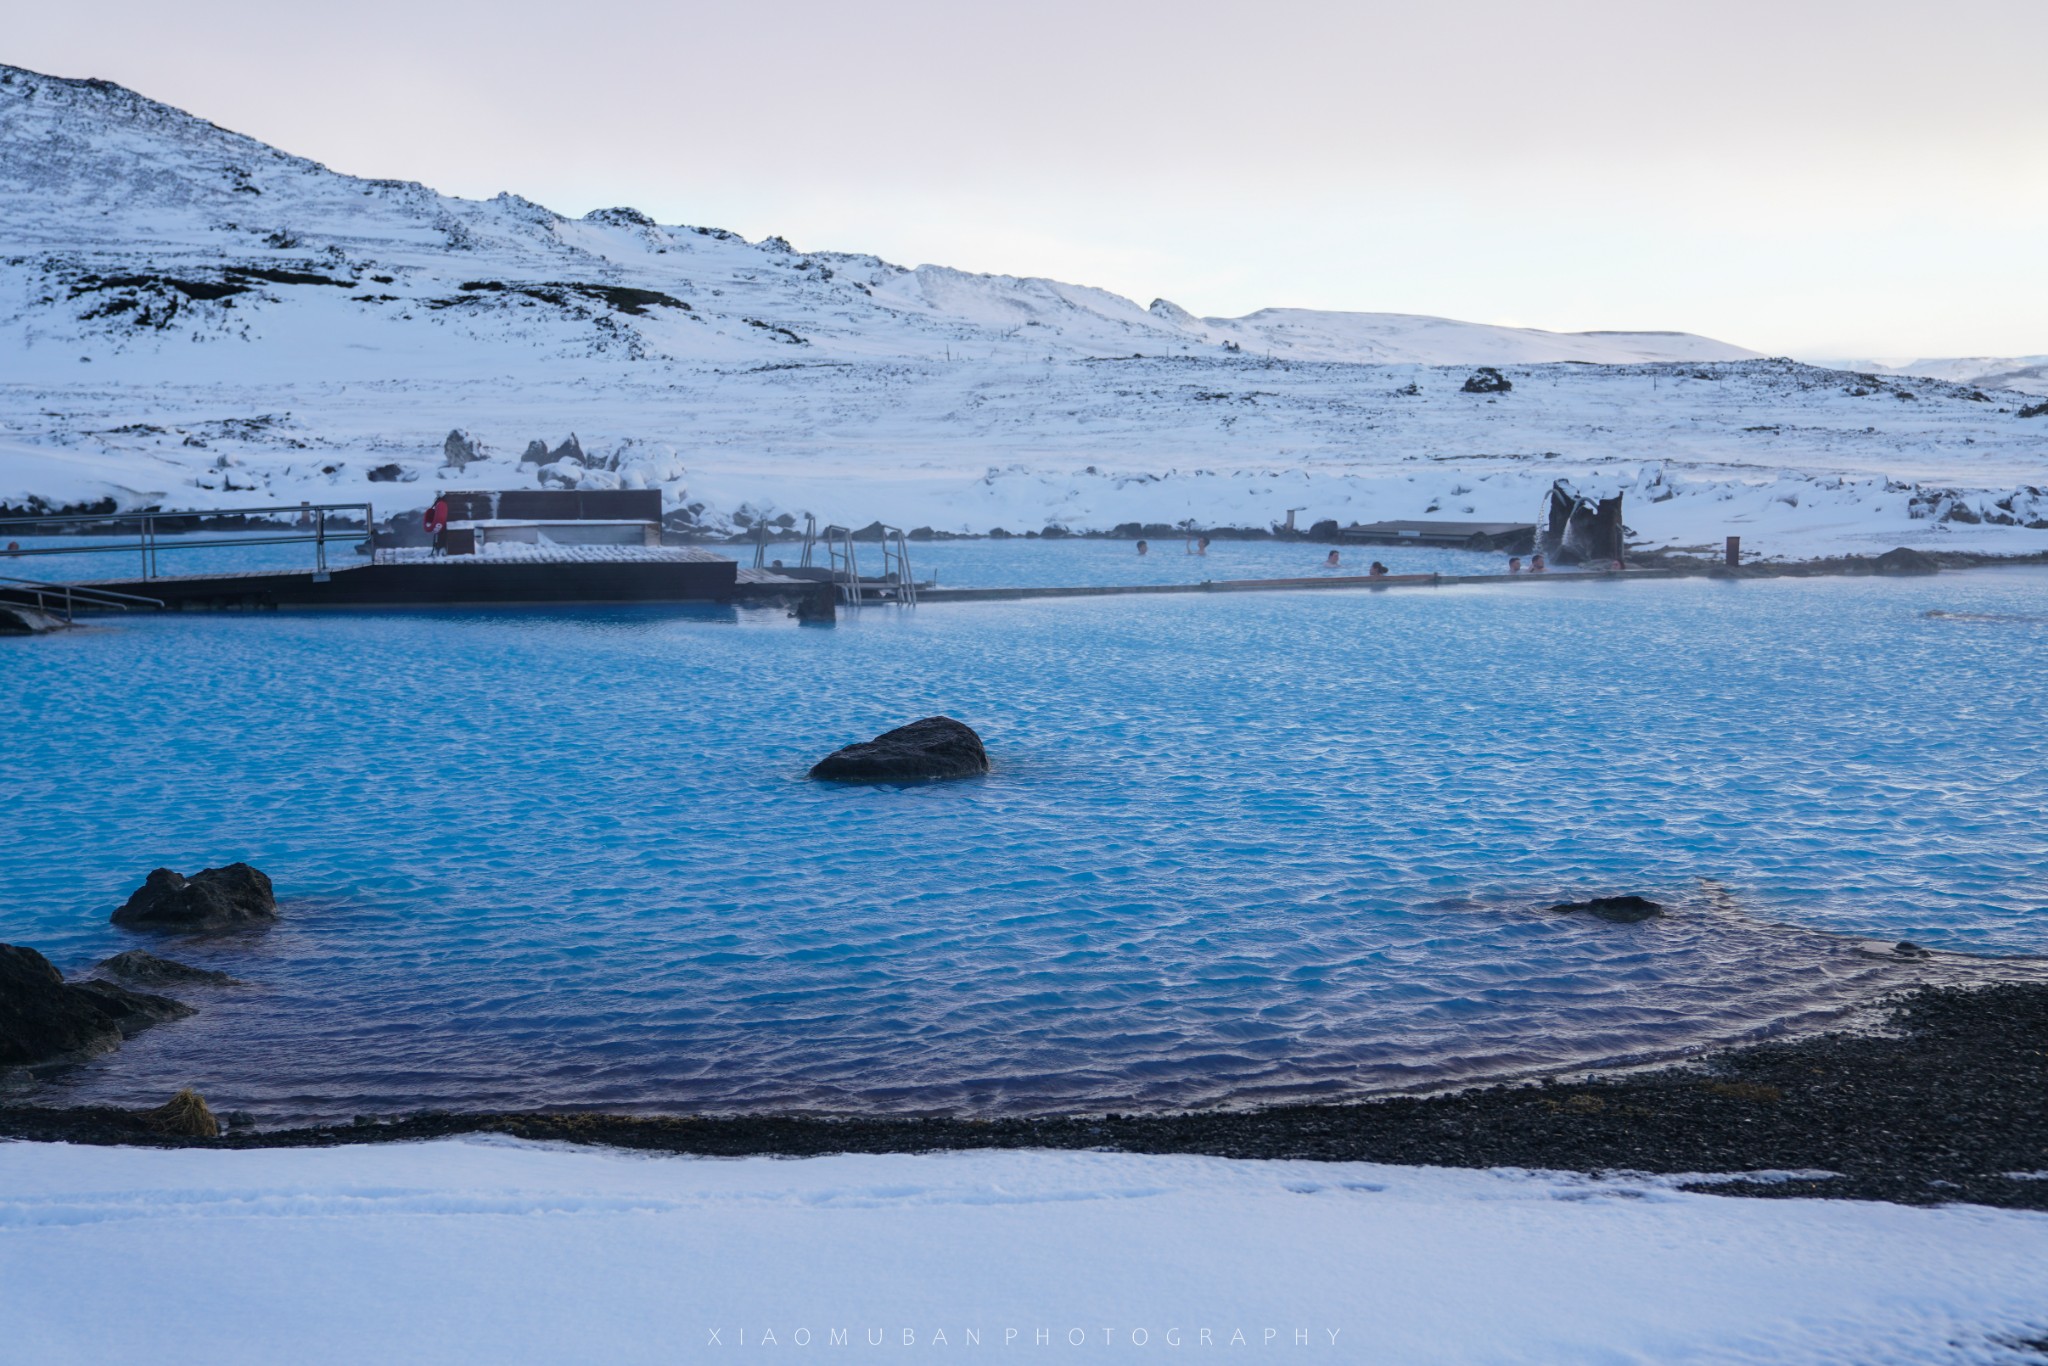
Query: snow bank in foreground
[505, 1252]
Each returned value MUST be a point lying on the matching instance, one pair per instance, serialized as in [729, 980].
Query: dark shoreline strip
[1946, 1110]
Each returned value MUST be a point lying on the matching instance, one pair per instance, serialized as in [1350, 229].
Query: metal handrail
[72, 594]
[838, 548]
[294, 508]
[129, 546]
[148, 528]
[896, 562]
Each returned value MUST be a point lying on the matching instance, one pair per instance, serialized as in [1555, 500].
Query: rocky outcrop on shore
[936, 747]
[185, 1115]
[44, 1018]
[232, 898]
[1906, 560]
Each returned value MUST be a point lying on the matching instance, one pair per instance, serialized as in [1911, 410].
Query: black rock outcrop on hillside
[933, 748]
[231, 898]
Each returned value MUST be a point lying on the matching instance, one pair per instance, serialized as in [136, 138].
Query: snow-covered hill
[189, 317]
[2027, 374]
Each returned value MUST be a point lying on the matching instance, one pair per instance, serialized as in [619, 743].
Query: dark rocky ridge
[1943, 1111]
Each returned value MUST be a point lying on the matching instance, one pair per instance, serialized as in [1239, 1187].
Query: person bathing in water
[1142, 547]
[1331, 563]
[1198, 546]
[1537, 566]
[1514, 564]
[1378, 570]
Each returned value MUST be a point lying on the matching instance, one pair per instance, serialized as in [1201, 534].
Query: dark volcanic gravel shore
[1952, 1107]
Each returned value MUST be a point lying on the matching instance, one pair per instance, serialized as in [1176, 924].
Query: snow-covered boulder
[461, 450]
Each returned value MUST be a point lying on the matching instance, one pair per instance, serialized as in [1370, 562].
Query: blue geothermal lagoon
[1233, 849]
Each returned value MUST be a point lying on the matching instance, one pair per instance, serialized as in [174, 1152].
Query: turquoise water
[1233, 847]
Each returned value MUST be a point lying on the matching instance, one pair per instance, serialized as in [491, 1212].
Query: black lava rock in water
[44, 1018]
[936, 747]
[131, 1011]
[1622, 910]
[230, 898]
[146, 969]
[41, 1017]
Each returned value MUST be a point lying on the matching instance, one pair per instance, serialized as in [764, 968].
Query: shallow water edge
[1945, 1106]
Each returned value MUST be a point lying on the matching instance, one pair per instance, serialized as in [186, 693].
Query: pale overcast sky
[1818, 179]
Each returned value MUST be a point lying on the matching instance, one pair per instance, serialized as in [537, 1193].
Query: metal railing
[896, 565]
[839, 558]
[142, 533]
[64, 599]
[842, 564]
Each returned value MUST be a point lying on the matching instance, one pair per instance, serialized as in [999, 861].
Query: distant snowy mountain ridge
[191, 317]
[96, 172]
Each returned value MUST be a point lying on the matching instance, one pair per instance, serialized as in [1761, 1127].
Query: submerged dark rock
[230, 898]
[1622, 910]
[44, 1018]
[146, 969]
[131, 1011]
[935, 747]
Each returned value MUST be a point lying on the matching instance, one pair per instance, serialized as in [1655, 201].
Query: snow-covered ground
[507, 1252]
[191, 318]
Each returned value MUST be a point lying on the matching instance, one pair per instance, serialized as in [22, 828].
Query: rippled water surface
[1233, 847]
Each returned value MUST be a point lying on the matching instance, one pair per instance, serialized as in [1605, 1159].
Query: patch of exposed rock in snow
[191, 318]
